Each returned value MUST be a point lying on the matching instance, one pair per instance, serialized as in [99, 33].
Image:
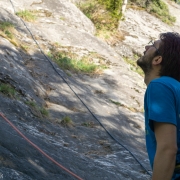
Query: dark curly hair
[170, 51]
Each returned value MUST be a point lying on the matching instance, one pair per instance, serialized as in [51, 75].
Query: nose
[147, 47]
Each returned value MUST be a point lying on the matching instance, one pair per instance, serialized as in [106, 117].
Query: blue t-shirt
[162, 104]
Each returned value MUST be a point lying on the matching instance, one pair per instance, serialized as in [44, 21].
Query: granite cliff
[91, 124]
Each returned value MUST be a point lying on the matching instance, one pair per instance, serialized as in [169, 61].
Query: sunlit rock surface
[106, 109]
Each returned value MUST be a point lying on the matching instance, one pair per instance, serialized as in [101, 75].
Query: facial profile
[145, 62]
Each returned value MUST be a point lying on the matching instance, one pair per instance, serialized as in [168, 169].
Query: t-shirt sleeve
[161, 104]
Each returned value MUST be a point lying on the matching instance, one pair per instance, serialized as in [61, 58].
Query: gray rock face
[96, 144]
[140, 27]
[59, 12]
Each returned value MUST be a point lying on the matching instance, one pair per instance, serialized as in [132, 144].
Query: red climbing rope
[40, 150]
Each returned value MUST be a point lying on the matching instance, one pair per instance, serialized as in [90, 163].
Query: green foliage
[73, 65]
[6, 28]
[113, 6]
[160, 10]
[41, 110]
[26, 15]
[70, 61]
[177, 1]
[9, 34]
[102, 19]
[156, 7]
[116, 103]
[66, 121]
[44, 112]
[7, 90]
[88, 8]
[24, 47]
[31, 103]
[105, 15]
[123, 105]
[88, 124]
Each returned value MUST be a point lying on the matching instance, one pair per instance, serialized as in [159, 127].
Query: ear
[157, 60]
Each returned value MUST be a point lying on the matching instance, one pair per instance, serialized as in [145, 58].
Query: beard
[145, 63]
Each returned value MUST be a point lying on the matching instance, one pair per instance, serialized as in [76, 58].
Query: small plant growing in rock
[31, 103]
[7, 31]
[7, 90]
[39, 110]
[69, 64]
[44, 112]
[125, 106]
[66, 121]
[116, 103]
[24, 47]
[88, 124]
[6, 28]
[27, 15]
[72, 62]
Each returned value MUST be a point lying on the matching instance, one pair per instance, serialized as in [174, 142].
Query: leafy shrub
[113, 6]
[160, 10]
[105, 15]
[156, 7]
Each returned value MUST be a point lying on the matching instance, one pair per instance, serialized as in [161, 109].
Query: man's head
[163, 55]
[151, 52]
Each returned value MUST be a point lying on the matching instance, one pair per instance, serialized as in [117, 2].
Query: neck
[149, 77]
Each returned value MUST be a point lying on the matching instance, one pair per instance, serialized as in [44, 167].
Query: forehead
[157, 42]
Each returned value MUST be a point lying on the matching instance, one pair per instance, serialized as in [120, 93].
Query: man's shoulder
[166, 81]
[164, 85]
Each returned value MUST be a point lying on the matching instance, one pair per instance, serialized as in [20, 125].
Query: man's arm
[165, 157]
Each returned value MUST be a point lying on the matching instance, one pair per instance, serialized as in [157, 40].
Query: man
[161, 66]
